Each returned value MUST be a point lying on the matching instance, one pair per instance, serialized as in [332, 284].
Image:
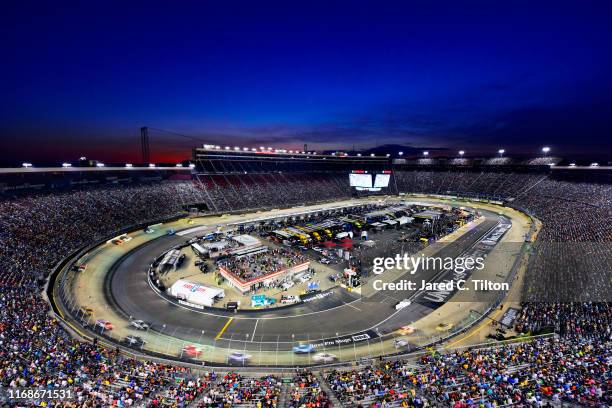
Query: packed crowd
[581, 320]
[306, 392]
[232, 192]
[38, 230]
[250, 267]
[570, 261]
[233, 390]
[543, 372]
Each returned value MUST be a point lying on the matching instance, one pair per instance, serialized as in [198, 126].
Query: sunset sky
[81, 79]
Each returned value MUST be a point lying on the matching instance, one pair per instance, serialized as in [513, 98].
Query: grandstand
[46, 216]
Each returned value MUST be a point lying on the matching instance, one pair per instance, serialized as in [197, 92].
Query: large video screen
[382, 180]
[360, 180]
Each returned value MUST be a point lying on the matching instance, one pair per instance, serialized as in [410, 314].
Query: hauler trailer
[311, 232]
[200, 251]
[290, 237]
[303, 238]
[356, 224]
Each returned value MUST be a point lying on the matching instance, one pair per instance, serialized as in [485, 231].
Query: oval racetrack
[340, 314]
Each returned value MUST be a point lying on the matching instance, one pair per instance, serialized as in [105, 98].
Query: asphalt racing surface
[339, 314]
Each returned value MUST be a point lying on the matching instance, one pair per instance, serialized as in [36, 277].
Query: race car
[139, 324]
[400, 343]
[104, 324]
[324, 358]
[404, 303]
[191, 351]
[238, 357]
[405, 330]
[303, 349]
[86, 310]
[135, 341]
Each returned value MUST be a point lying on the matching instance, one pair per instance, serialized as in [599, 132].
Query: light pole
[382, 352]
[545, 150]
[246, 338]
[260, 347]
[201, 335]
[501, 152]
[277, 339]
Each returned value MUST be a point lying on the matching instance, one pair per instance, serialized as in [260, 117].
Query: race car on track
[405, 330]
[324, 358]
[139, 324]
[238, 357]
[404, 303]
[303, 349]
[86, 310]
[104, 324]
[135, 341]
[400, 343]
[191, 351]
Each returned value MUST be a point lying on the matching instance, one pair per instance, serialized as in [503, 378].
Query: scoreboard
[363, 180]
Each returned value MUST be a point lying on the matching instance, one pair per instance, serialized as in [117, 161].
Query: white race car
[324, 358]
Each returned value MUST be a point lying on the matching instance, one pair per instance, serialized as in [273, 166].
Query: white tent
[195, 292]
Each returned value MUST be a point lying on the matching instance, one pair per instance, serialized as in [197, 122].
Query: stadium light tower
[425, 153]
[461, 152]
[401, 153]
[501, 152]
[545, 150]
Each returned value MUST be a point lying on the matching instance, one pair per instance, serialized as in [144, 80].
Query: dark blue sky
[82, 79]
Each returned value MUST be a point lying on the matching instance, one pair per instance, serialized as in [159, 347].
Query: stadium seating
[39, 229]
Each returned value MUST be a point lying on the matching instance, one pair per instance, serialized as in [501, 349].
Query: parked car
[287, 285]
[290, 299]
[305, 278]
